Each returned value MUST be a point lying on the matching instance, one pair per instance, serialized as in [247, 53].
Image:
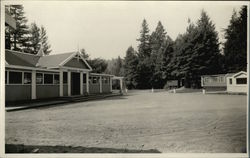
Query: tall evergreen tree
[34, 39]
[197, 52]
[144, 69]
[235, 47]
[44, 41]
[144, 47]
[157, 44]
[130, 68]
[18, 37]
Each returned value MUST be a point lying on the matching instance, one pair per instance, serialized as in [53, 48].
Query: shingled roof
[20, 59]
[32, 60]
[53, 60]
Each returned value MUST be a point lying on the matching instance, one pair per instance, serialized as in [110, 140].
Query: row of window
[45, 78]
[220, 79]
[18, 77]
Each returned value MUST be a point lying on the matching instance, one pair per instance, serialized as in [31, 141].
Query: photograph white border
[172, 155]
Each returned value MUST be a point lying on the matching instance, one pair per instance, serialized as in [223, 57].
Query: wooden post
[100, 83]
[69, 83]
[33, 84]
[203, 91]
[87, 82]
[61, 83]
[121, 84]
[110, 84]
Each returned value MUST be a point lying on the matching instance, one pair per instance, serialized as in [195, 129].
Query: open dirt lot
[166, 122]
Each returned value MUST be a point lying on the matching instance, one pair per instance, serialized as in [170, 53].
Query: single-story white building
[237, 82]
[230, 82]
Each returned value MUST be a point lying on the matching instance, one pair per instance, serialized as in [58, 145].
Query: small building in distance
[230, 82]
[237, 82]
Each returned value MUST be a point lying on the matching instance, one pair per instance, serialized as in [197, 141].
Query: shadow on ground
[19, 148]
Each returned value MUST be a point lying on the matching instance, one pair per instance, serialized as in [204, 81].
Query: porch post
[81, 83]
[69, 83]
[33, 84]
[61, 83]
[110, 83]
[121, 84]
[87, 82]
[100, 81]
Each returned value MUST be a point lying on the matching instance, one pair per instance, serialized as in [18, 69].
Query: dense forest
[158, 58]
[192, 54]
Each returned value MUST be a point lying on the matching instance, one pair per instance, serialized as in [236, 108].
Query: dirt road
[142, 120]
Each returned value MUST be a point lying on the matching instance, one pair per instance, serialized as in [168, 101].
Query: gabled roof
[20, 59]
[53, 60]
[49, 61]
[239, 73]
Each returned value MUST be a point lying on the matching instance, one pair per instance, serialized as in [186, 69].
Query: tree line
[192, 54]
[25, 38]
[158, 57]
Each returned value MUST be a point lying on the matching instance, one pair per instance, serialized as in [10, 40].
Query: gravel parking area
[161, 121]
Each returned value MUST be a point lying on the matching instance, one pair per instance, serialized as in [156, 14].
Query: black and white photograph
[124, 77]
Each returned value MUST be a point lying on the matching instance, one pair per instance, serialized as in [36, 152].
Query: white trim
[61, 83]
[87, 82]
[33, 84]
[29, 68]
[22, 77]
[6, 63]
[72, 56]
[68, 59]
[90, 68]
[69, 83]
[96, 74]
[76, 69]
[241, 72]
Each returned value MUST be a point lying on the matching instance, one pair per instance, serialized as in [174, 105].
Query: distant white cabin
[237, 82]
[231, 82]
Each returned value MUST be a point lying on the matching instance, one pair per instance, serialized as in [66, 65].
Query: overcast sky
[106, 29]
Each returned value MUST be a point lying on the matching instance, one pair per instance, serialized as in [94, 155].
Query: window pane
[48, 78]
[15, 77]
[65, 77]
[56, 79]
[241, 81]
[230, 81]
[27, 78]
[39, 78]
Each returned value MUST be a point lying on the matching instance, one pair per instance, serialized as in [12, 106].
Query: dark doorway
[75, 83]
